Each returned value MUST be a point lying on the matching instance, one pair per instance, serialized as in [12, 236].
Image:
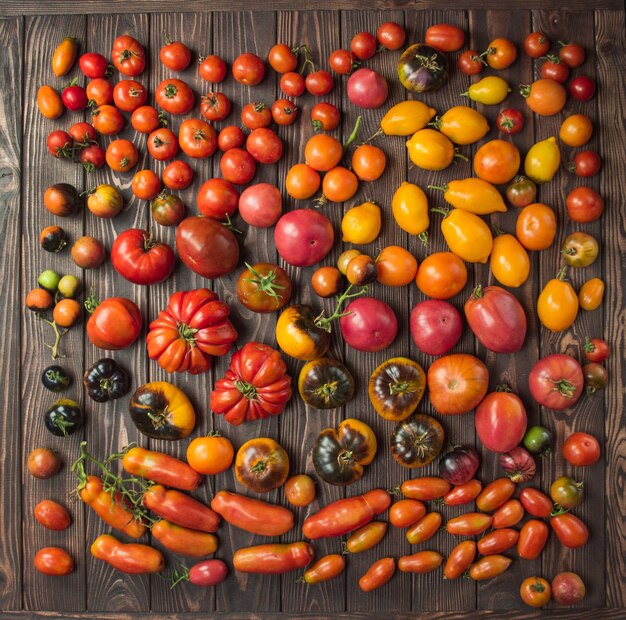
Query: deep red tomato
[325, 116]
[570, 530]
[74, 97]
[114, 324]
[342, 61]
[162, 144]
[248, 69]
[596, 349]
[146, 119]
[53, 561]
[532, 539]
[470, 62]
[445, 37]
[284, 112]
[585, 164]
[264, 145]
[174, 55]
[141, 259]
[556, 381]
[217, 198]
[58, 143]
[237, 166]
[582, 88]
[128, 95]
[581, 449]
[319, 82]
[255, 115]
[457, 383]
[128, 55]
[212, 68]
[292, 84]
[177, 175]
[572, 54]
[391, 35]
[555, 69]
[584, 205]
[510, 121]
[174, 96]
[230, 137]
[536, 44]
[52, 515]
[197, 138]
[215, 106]
[93, 65]
[500, 421]
[536, 503]
[363, 45]
[282, 58]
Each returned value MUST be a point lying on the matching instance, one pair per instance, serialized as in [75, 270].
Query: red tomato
[93, 65]
[445, 37]
[584, 205]
[52, 515]
[463, 493]
[420, 562]
[114, 324]
[469, 524]
[146, 119]
[128, 95]
[82, 133]
[284, 112]
[572, 54]
[128, 55]
[162, 144]
[490, 566]
[596, 349]
[146, 184]
[363, 45]
[212, 69]
[53, 561]
[248, 69]
[510, 121]
[292, 84]
[508, 515]
[43, 463]
[470, 62]
[161, 469]
[581, 449]
[177, 175]
[500, 421]
[582, 88]
[406, 512]
[585, 164]
[391, 35]
[217, 198]
[319, 83]
[342, 62]
[460, 559]
[495, 494]
[556, 381]
[261, 205]
[215, 106]
[59, 144]
[99, 92]
[536, 44]
[230, 137]
[555, 70]
[425, 488]
[282, 58]
[174, 96]
[208, 573]
[129, 558]
[92, 157]
[497, 541]
[121, 155]
[238, 166]
[264, 145]
[424, 529]
[74, 97]
[568, 589]
[325, 116]
[536, 503]
[378, 574]
[174, 55]
[273, 558]
[570, 530]
[255, 115]
[197, 138]
[325, 568]
[532, 539]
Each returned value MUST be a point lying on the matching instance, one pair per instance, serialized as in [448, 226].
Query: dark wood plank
[69, 593]
[610, 46]
[12, 37]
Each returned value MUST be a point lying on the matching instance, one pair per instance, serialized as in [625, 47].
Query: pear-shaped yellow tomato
[557, 305]
[542, 161]
[410, 208]
[509, 261]
[361, 224]
[467, 236]
[406, 117]
[462, 124]
[473, 195]
[491, 90]
[591, 294]
[430, 149]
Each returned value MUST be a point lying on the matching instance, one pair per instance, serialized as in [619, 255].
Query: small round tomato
[82, 133]
[361, 270]
[584, 205]
[284, 112]
[261, 465]
[146, 184]
[128, 55]
[536, 226]
[174, 96]
[342, 62]
[585, 164]
[174, 55]
[211, 454]
[121, 155]
[572, 54]
[92, 157]
[326, 281]
[215, 106]
[264, 146]
[263, 287]
[319, 83]
[61, 199]
[497, 161]
[300, 490]
[535, 591]
[510, 121]
[579, 249]
[197, 138]
[363, 45]
[339, 184]
[536, 44]
[230, 137]
[128, 95]
[521, 191]
[255, 115]
[93, 65]
[282, 58]
[74, 97]
[581, 449]
[88, 252]
[391, 35]
[217, 198]
[554, 69]
[582, 88]
[322, 152]
[566, 492]
[59, 144]
[53, 561]
[167, 209]
[52, 239]
[248, 69]
[67, 312]
[177, 175]
[544, 97]
[576, 130]
[596, 377]
[261, 205]
[325, 116]
[292, 84]
[52, 515]
[596, 349]
[302, 181]
[368, 162]
[237, 166]
[500, 53]
[146, 119]
[162, 144]
[470, 63]
[212, 68]
[344, 259]
[43, 463]
[99, 92]
[568, 589]
[441, 275]
[395, 266]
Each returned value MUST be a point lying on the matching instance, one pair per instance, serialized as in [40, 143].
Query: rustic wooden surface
[93, 589]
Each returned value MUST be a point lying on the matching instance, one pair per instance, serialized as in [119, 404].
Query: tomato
[167, 209]
[536, 503]
[445, 37]
[197, 138]
[368, 324]
[460, 559]
[378, 574]
[292, 84]
[53, 561]
[273, 558]
[303, 237]
[496, 161]
[207, 573]
[572, 54]
[416, 441]
[217, 198]
[555, 70]
[497, 541]
[121, 155]
[325, 116]
[255, 115]
[92, 157]
[146, 185]
[422, 68]
[325, 383]
[64, 56]
[544, 97]
[421, 562]
[518, 464]
[521, 191]
[215, 106]
[263, 145]
[83, 134]
[463, 493]
[584, 205]
[264, 287]
[182, 540]
[456, 383]
[94, 65]
[99, 92]
[590, 294]
[211, 454]
[363, 45]
[459, 465]
[342, 62]
[542, 161]
[322, 152]
[406, 512]
[283, 58]
[248, 69]
[161, 469]
[177, 175]
[469, 524]
[261, 464]
[361, 270]
[52, 515]
[500, 421]
[391, 35]
[59, 144]
[128, 95]
[508, 515]
[340, 455]
[566, 492]
[302, 181]
[568, 589]
[366, 537]
[128, 56]
[146, 119]
[66, 313]
[300, 490]
[500, 53]
[141, 259]
[328, 567]
[174, 55]
[49, 102]
[467, 236]
[424, 529]
[114, 324]
[536, 226]
[441, 275]
[430, 149]
[230, 137]
[410, 209]
[174, 96]
[252, 515]
[556, 381]
[345, 515]
[570, 530]
[579, 249]
[368, 162]
[284, 112]
[61, 199]
[536, 44]
[489, 566]
[326, 281]
[581, 449]
[425, 488]
[491, 90]
[237, 166]
[535, 591]
[576, 130]
[43, 463]
[462, 124]
[52, 239]
[596, 349]
[585, 164]
[509, 261]
[301, 334]
[88, 253]
[129, 558]
[74, 97]
[470, 63]
[557, 304]
[395, 266]
[538, 440]
[212, 68]
[532, 539]
[495, 494]
[319, 83]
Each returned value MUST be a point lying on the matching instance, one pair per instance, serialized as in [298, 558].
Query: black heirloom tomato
[106, 380]
[261, 464]
[64, 417]
[417, 441]
[422, 68]
[325, 383]
[55, 378]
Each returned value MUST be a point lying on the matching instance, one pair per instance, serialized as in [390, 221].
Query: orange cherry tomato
[532, 539]
[326, 568]
[339, 184]
[396, 266]
[211, 454]
[488, 567]
[368, 162]
[460, 559]
[545, 97]
[99, 91]
[300, 490]
[302, 181]
[536, 226]
[49, 102]
[361, 270]
[576, 130]
[326, 281]
[591, 293]
[497, 541]
[53, 561]
[38, 300]
[322, 152]
[500, 53]
[508, 515]
[107, 120]
[421, 562]
[146, 184]
[406, 512]
[366, 537]
[441, 275]
[497, 161]
[425, 488]
[535, 591]
[463, 493]
[424, 529]
[469, 524]
[378, 574]
[121, 155]
[495, 494]
[67, 312]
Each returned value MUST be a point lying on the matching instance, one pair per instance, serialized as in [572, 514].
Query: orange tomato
[64, 56]
[509, 261]
[424, 529]
[325, 568]
[406, 512]
[576, 130]
[460, 559]
[545, 97]
[38, 300]
[378, 574]
[323, 152]
[497, 541]
[591, 294]
[536, 226]
[302, 181]
[326, 281]
[421, 562]
[121, 155]
[210, 455]
[49, 102]
[146, 184]
[497, 161]
[557, 304]
[366, 537]
[67, 312]
[300, 490]
[535, 591]
[441, 275]
[488, 567]
[396, 266]
[508, 515]
[339, 184]
[495, 494]
[368, 162]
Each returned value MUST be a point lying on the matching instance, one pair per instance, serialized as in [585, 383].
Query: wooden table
[95, 590]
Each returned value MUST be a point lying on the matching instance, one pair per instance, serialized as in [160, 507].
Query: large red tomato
[303, 237]
[368, 324]
[140, 258]
[556, 381]
[500, 421]
[192, 328]
[457, 383]
[114, 324]
[496, 318]
[207, 247]
[255, 386]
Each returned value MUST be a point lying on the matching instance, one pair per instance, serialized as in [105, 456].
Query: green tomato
[69, 286]
[49, 279]
[537, 440]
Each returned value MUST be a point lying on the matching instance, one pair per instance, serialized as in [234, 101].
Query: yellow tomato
[473, 195]
[410, 208]
[557, 305]
[463, 125]
[591, 294]
[361, 224]
[542, 161]
[406, 117]
[491, 90]
[430, 149]
[298, 334]
[467, 236]
[509, 261]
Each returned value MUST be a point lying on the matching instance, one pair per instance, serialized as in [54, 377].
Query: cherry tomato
[536, 44]
[208, 573]
[319, 83]
[361, 270]
[284, 112]
[536, 226]
[554, 69]
[121, 155]
[217, 198]
[445, 37]
[535, 591]
[576, 130]
[378, 574]
[391, 35]
[177, 175]
[536, 503]
[510, 121]
[212, 69]
[500, 53]
[162, 144]
[584, 205]
[591, 294]
[197, 138]
[59, 144]
[582, 88]
[326, 281]
[211, 454]
[300, 490]
[532, 539]
[508, 515]
[128, 95]
[596, 349]
[282, 58]
[128, 55]
[581, 449]
[67, 312]
[572, 54]
[406, 512]
[146, 184]
[302, 181]
[248, 69]
[363, 45]
[255, 115]
[585, 164]
[325, 116]
[497, 541]
[342, 62]
[43, 463]
[107, 120]
[215, 106]
[53, 561]
[292, 84]
[174, 55]
[570, 530]
[74, 97]
[470, 63]
[368, 162]
[230, 137]
[94, 65]
[52, 515]
[488, 567]
[460, 559]
[82, 133]
[328, 567]
[495, 494]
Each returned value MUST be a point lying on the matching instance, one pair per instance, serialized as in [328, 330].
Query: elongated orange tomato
[366, 537]
[129, 558]
[469, 524]
[460, 559]
[424, 529]
[273, 559]
[508, 515]
[49, 102]
[183, 540]
[497, 541]
[591, 293]
[326, 568]
[495, 494]
[488, 567]
[421, 562]
[463, 493]
[378, 574]
[425, 488]
[161, 468]
[406, 512]
[64, 56]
